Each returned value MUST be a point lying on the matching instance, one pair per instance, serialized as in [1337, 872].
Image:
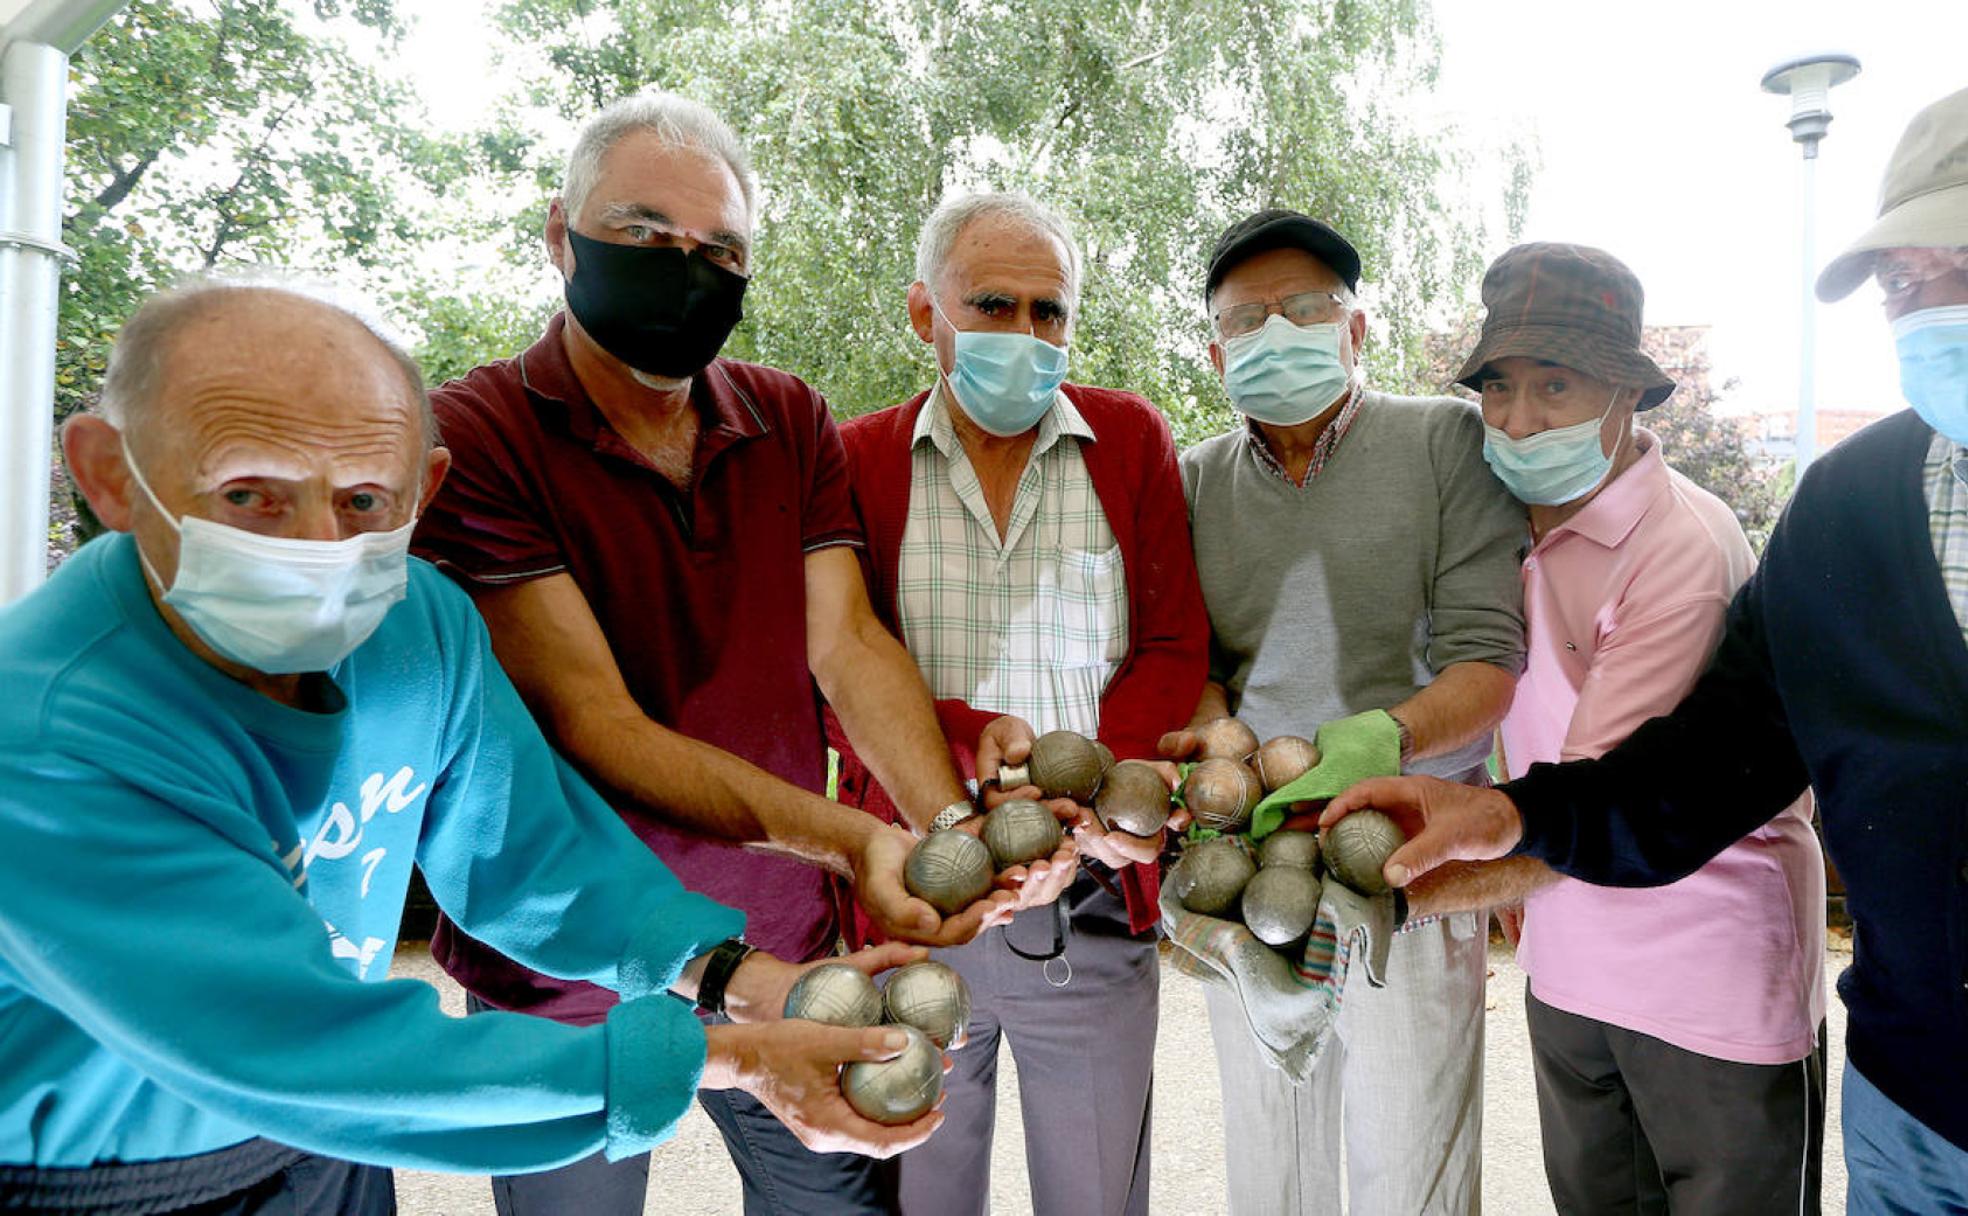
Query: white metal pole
[1807, 368]
[34, 83]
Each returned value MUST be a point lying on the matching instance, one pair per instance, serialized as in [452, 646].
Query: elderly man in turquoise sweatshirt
[230, 729]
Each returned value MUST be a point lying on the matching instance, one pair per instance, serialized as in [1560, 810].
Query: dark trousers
[1635, 1125]
[781, 1176]
[257, 1178]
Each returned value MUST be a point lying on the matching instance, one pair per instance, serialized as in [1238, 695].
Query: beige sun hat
[1923, 202]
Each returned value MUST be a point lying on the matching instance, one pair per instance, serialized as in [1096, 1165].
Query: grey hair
[945, 224]
[136, 361]
[678, 122]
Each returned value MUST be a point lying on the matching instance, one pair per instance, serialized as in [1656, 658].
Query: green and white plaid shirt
[1036, 625]
[1947, 518]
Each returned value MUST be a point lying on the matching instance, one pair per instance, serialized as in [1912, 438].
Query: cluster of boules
[927, 1001]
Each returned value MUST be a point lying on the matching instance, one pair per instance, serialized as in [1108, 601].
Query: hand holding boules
[1062, 764]
[880, 886]
[1005, 742]
[759, 989]
[794, 1068]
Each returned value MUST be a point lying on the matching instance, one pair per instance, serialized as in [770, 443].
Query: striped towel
[1291, 1003]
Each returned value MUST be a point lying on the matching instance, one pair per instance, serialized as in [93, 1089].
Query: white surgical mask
[1284, 374]
[276, 604]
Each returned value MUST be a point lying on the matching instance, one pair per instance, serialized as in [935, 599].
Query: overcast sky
[1654, 142]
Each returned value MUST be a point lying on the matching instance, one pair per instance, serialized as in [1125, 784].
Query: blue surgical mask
[276, 604]
[1284, 374]
[1554, 466]
[1933, 347]
[1004, 382]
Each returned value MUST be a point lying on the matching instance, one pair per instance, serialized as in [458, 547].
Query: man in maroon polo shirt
[663, 546]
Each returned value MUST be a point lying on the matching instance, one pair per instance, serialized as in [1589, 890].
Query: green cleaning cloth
[1350, 750]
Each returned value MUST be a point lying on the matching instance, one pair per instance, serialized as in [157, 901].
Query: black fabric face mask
[658, 309]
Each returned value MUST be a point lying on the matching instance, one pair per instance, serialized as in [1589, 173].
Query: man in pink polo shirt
[1676, 1031]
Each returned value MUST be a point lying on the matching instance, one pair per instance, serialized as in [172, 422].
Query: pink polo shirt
[1624, 605]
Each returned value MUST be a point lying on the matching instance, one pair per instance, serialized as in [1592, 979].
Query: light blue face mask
[1550, 467]
[1005, 382]
[1284, 374]
[1933, 348]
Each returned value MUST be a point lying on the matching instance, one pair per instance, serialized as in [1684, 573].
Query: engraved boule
[1226, 739]
[899, 1090]
[1284, 760]
[1133, 799]
[1299, 850]
[1062, 764]
[1358, 846]
[932, 997]
[1020, 831]
[949, 870]
[1280, 904]
[836, 994]
[1211, 875]
[1221, 793]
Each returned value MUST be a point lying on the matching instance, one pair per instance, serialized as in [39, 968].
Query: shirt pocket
[1084, 606]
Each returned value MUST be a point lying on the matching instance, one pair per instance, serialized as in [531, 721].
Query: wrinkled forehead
[1001, 251]
[285, 393]
[1273, 274]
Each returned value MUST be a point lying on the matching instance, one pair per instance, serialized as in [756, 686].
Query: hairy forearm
[1463, 704]
[1473, 886]
[706, 790]
[879, 696]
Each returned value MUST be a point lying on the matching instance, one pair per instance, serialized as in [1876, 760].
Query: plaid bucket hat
[1922, 202]
[1571, 305]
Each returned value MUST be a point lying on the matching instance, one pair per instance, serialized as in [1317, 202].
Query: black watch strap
[718, 971]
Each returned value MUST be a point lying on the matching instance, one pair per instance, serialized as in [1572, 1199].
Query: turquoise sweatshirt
[200, 892]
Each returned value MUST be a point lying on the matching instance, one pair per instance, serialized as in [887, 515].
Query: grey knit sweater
[1351, 592]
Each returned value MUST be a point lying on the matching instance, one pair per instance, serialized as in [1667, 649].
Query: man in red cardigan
[1028, 541]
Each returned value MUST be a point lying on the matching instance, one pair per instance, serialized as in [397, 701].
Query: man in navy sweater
[1844, 665]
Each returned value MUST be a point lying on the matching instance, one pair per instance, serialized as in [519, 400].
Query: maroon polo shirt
[701, 594]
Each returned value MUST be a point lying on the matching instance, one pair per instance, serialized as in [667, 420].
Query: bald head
[287, 332]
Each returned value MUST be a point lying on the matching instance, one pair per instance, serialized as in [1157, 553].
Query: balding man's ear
[94, 450]
[436, 465]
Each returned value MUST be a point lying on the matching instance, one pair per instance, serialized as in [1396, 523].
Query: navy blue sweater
[1842, 665]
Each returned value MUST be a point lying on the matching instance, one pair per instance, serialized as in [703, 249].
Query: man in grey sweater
[1355, 555]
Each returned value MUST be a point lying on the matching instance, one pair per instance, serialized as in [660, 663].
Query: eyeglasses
[1305, 308]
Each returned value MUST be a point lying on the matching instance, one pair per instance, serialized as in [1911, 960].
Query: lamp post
[1808, 82]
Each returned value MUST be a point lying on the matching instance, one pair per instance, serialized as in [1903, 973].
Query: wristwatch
[952, 815]
[724, 963]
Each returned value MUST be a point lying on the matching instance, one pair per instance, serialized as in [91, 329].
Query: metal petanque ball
[1226, 739]
[1062, 764]
[1299, 850]
[1220, 794]
[1280, 904]
[1106, 755]
[949, 870]
[1284, 760]
[1211, 876]
[898, 1090]
[1358, 846]
[1019, 831]
[836, 994]
[1133, 799]
[931, 997]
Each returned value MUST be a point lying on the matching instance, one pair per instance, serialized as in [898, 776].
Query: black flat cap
[1276, 228]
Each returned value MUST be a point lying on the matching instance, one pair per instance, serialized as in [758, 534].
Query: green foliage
[207, 133]
[1152, 123]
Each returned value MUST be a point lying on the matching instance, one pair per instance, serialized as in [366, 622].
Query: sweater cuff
[1537, 818]
[674, 929]
[656, 1052]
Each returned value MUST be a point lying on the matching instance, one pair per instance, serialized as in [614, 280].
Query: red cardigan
[1132, 464]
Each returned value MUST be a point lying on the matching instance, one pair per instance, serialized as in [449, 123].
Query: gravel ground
[691, 1174]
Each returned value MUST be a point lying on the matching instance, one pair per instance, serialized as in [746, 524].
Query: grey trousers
[1085, 1054]
[1400, 1089]
[1634, 1125]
